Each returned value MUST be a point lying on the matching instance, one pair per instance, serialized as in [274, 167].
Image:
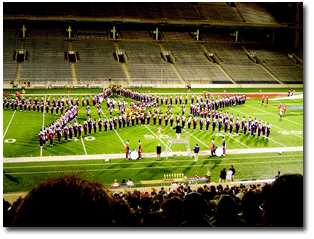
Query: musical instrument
[219, 151]
[133, 154]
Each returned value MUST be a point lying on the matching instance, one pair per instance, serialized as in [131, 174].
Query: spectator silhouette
[227, 213]
[65, 202]
[194, 211]
[173, 211]
[284, 202]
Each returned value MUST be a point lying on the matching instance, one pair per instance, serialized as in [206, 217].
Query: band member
[226, 126]
[230, 128]
[106, 124]
[267, 130]
[59, 135]
[160, 118]
[120, 122]
[183, 121]
[263, 98]
[224, 146]
[259, 129]
[166, 118]
[219, 124]
[41, 139]
[127, 150]
[70, 132]
[214, 124]
[139, 150]
[90, 126]
[75, 129]
[154, 118]
[201, 124]
[189, 122]
[183, 109]
[66, 133]
[100, 124]
[244, 128]
[87, 111]
[171, 120]
[267, 99]
[95, 126]
[237, 127]
[212, 147]
[207, 123]
[148, 118]
[194, 123]
[85, 125]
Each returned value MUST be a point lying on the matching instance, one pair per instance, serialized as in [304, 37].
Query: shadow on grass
[8, 176]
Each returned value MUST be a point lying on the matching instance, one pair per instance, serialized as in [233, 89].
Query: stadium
[91, 89]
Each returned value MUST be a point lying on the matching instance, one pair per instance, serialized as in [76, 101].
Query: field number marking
[164, 136]
[89, 138]
[9, 141]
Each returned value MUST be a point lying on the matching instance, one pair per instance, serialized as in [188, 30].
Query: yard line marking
[42, 127]
[196, 138]
[83, 146]
[274, 141]
[271, 124]
[149, 162]
[9, 123]
[115, 131]
[275, 115]
[161, 167]
[119, 137]
[157, 137]
[237, 140]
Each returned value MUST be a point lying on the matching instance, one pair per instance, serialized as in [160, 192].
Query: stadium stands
[233, 34]
[73, 202]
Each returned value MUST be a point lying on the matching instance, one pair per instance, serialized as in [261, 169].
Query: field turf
[23, 127]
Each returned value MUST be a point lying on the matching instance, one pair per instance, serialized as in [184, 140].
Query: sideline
[147, 155]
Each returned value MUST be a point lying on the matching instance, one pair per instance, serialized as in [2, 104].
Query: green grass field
[23, 127]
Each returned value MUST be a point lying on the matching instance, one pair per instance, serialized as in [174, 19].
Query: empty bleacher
[96, 61]
[10, 44]
[238, 66]
[255, 12]
[278, 64]
[46, 61]
[193, 65]
[145, 63]
[219, 12]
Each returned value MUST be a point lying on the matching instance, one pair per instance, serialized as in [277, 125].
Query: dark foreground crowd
[73, 202]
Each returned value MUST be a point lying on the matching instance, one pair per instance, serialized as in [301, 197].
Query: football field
[26, 164]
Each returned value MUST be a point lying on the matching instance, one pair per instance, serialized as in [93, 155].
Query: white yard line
[42, 127]
[160, 167]
[237, 140]
[270, 125]
[196, 138]
[115, 131]
[83, 146]
[274, 141]
[275, 115]
[157, 138]
[6, 130]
